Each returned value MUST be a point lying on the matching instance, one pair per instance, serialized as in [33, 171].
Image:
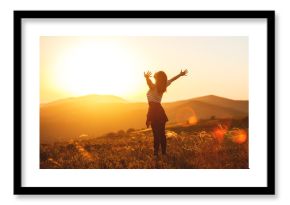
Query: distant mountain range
[87, 99]
[94, 115]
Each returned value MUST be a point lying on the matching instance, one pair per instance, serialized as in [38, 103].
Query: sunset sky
[74, 66]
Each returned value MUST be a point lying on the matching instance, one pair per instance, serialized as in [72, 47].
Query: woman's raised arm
[182, 73]
[147, 75]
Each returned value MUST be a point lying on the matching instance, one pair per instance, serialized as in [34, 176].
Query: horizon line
[129, 101]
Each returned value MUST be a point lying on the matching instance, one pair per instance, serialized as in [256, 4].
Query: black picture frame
[268, 190]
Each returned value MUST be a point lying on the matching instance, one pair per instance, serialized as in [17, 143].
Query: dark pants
[158, 129]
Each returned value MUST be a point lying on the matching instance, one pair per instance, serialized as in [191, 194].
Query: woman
[156, 116]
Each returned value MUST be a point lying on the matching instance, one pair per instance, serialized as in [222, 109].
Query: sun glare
[102, 68]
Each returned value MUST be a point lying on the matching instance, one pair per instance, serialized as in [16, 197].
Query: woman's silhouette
[156, 116]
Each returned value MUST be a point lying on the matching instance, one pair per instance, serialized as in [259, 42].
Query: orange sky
[73, 66]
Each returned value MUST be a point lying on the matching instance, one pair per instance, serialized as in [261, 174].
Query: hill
[94, 115]
[206, 107]
[87, 99]
[239, 105]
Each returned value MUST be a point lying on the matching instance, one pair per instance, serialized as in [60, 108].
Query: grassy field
[209, 144]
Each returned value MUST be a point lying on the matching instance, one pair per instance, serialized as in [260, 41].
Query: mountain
[240, 105]
[87, 99]
[94, 115]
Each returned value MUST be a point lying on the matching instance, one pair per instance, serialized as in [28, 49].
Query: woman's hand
[147, 74]
[183, 73]
[148, 123]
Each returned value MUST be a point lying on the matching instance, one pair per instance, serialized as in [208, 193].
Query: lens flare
[219, 132]
[239, 136]
[187, 115]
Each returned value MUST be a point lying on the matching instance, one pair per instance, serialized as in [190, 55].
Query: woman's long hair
[161, 81]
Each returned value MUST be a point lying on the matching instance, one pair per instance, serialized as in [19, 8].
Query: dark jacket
[156, 113]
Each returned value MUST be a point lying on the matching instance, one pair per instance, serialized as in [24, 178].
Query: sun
[97, 67]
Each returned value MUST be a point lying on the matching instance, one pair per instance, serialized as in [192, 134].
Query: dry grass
[212, 144]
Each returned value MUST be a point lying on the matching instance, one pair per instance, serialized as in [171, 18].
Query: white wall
[282, 98]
